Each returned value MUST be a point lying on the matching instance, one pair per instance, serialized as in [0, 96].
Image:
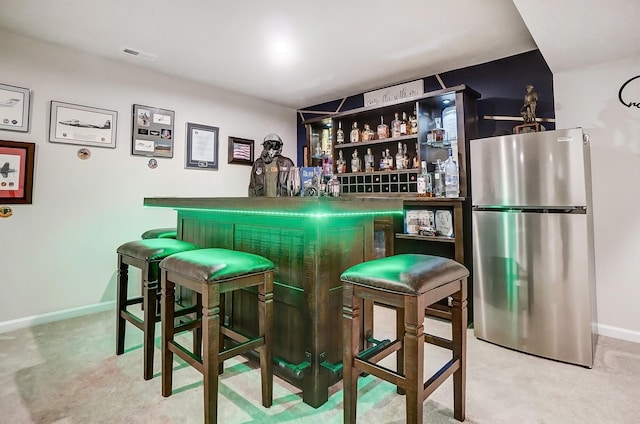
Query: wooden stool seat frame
[409, 345]
[210, 297]
[149, 301]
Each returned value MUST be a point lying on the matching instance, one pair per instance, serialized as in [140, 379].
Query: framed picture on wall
[152, 131]
[16, 171]
[15, 104]
[202, 146]
[83, 125]
[240, 151]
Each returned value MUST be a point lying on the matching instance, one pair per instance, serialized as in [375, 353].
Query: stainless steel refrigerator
[534, 272]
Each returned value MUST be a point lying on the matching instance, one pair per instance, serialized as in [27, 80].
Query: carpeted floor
[67, 373]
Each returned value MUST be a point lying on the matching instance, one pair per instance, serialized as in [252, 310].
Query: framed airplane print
[84, 125]
[16, 171]
[152, 132]
[15, 103]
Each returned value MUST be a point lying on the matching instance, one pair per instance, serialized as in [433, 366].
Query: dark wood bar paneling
[311, 241]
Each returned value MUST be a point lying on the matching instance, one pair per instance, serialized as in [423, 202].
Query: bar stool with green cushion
[211, 273]
[146, 256]
[160, 233]
[408, 283]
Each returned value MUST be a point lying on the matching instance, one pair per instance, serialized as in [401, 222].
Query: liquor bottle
[451, 179]
[438, 180]
[389, 165]
[438, 131]
[327, 164]
[405, 156]
[383, 162]
[341, 164]
[356, 165]
[367, 133]
[333, 187]
[413, 121]
[399, 158]
[404, 124]
[340, 134]
[450, 126]
[422, 179]
[354, 136]
[383, 129]
[368, 161]
[395, 126]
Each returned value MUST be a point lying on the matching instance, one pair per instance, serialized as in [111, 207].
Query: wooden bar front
[311, 241]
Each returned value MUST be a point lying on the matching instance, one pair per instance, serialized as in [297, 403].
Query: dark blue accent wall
[501, 84]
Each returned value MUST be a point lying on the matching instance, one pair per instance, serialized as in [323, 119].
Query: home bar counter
[311, 241]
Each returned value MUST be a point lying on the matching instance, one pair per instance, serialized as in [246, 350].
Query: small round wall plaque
[153, 164]
[5, 212]
[84, 154]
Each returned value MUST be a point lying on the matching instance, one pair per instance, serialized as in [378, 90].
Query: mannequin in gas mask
[270, 171]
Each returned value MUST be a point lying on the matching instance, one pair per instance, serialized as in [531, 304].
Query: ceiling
[299, 53]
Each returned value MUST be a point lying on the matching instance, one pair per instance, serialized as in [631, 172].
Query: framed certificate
[202, 146]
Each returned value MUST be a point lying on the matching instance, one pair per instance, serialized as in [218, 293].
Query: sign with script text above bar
[391, 94]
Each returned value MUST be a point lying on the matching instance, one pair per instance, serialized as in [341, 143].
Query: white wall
[588, 98]
[58, 253]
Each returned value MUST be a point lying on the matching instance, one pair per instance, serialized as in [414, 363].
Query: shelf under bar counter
[311, 241]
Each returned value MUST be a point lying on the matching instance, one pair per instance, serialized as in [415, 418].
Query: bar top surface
[312, 206]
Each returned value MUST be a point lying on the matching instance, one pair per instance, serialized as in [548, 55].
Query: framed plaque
[152, 131]
[202, 146]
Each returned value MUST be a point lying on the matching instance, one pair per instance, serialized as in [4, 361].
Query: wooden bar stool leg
[265, 324]
[400, 352]
[352, 338]
[167, 310]
[414, 358]
[150, 290]
[210, 355]
[197, 332]
[459, 347]
[123, 278]
[221, 338]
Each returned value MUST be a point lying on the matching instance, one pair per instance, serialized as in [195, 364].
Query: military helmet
[272, 141]
[273, 138]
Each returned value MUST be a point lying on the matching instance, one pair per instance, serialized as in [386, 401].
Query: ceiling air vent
[142, 55]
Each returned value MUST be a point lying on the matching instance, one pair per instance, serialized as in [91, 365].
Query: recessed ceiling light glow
[281, 50]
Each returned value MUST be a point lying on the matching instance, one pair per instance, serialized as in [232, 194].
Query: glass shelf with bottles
[401, 126]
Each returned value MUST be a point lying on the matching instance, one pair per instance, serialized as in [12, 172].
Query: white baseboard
[619, 333]
[16, 324]
[19, 323]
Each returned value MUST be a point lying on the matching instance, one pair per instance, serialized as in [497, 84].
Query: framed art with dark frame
[202, 146]
[240, 151]
[83, 125]
[152, 132]
[15, 104]
[16, 171]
